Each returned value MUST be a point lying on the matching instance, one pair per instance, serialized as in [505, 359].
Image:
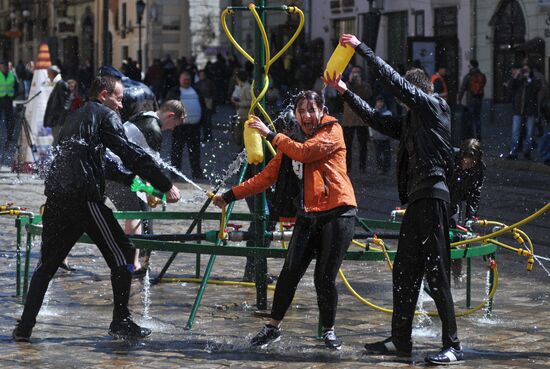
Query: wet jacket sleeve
[388, 125]
[474, 195]
[315, 148]
[402, 89]
[132, 156]
[261, 181]
[115, 172]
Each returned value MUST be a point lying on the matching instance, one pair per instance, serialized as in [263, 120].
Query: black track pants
[423, 249]
[327, 239]
[63, 226]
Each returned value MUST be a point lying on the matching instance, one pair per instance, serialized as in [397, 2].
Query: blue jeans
[474, 108]
[516, 130]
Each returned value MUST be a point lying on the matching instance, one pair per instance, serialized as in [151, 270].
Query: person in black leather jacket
[467, 180]
[465, 188]
[59, 102]
[424, 165]
[74, 188]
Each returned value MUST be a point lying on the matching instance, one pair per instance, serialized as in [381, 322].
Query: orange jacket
[326, 184]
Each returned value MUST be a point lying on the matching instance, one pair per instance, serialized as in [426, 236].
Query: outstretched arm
[405, 91]
[388, 125]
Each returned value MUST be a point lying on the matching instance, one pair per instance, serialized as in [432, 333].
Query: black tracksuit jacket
[77, 172]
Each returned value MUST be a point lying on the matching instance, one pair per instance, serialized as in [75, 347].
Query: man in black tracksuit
[424, 164]
[74, 187]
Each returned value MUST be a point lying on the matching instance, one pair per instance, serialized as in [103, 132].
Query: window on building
[340, 26]
[124, 52]
[338, 6]
[445, 21]
[397, 38]
[124, 19]
[419, 23]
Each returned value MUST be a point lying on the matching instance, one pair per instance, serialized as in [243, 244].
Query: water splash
[234, 167]
[488, 308]
[422, 319]
[146, 297]
[538, 259]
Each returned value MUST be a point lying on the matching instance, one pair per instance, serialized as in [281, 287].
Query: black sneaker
[331, 341]
[126, 328]
[266, 336]
[21, 334]
[388, 347]
[447, 356]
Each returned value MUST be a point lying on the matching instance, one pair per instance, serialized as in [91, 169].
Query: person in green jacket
[8, 86]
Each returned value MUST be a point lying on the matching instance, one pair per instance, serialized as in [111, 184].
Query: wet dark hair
[471, 147]
[174, 106]
[474, 63]
[419, 78]
[101, 83]
[312, 96]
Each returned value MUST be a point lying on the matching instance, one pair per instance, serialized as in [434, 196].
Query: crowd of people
[309, 174]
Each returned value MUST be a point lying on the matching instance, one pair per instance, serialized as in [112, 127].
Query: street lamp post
[140, 8]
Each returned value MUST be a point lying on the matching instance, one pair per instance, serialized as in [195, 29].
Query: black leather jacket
[525, 95]
[425, 156]
[58, 105]
[149, 124]
[465, 186]
[77, 172]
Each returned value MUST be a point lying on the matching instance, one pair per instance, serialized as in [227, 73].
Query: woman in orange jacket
[325, 204]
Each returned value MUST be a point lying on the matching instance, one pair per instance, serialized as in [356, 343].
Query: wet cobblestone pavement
[72, 326]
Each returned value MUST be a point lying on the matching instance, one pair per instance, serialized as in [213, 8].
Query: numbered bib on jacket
[298, 169]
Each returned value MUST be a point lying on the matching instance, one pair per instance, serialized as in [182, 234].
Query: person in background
[352, 124]
[438, 80]
[206, 88]
[473, 86]
[77, 101]
[8, 87]
[524, 89]
[145, 130]
[189, 133]
[59, 102]
[465, 188]
[154, 78]
[381, 142]
[242, 105]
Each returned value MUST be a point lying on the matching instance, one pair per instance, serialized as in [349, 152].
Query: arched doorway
[508, 24]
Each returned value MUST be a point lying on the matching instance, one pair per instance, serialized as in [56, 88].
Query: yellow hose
[531, 217]
[517, 233]
[214, 281]
[255, 104]
[380, 242]
[430, 313]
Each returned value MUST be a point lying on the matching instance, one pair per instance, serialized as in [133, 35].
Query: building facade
[509, 32]
[67, 26]
[420, 32]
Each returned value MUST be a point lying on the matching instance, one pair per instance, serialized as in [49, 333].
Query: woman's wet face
[308, 115]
